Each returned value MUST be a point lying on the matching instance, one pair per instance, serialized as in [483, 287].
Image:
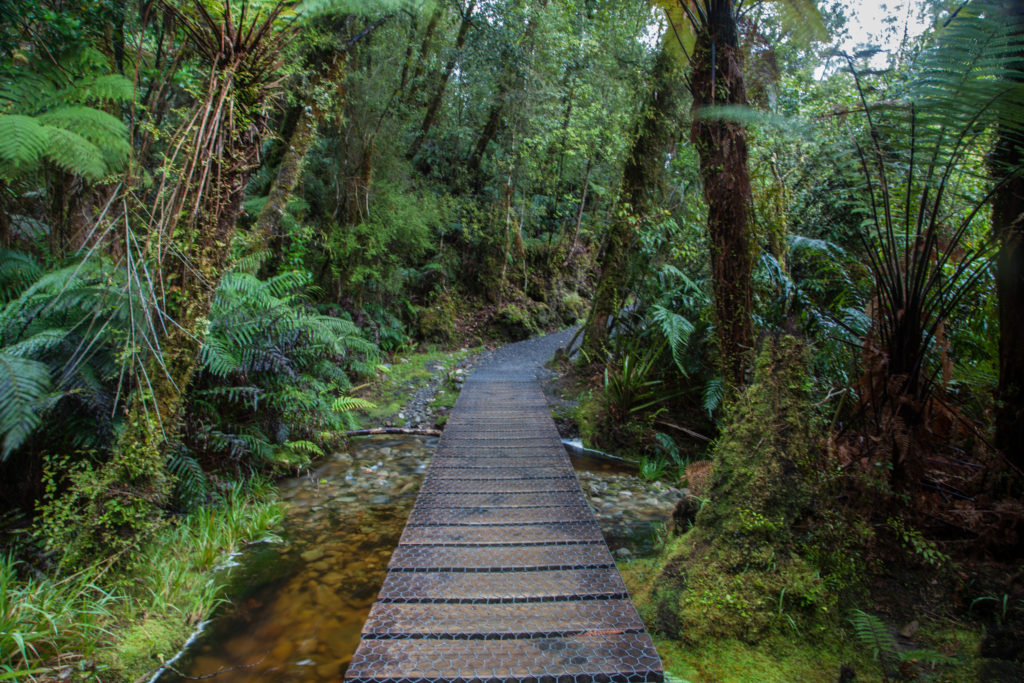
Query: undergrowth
[407, 372]
[107, 624]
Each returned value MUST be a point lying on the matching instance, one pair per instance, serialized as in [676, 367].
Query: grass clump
[116, 622]
[408, 372]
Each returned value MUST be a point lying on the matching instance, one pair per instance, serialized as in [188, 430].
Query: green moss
[407, 373]
[436, 320]
[775, 660]
[142, 647]
[748, 569]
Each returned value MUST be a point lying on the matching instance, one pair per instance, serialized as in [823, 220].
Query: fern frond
[677, 331]
[346, 404]
[75, 154]
[713, 393]
[24, 387]
[191, 485]
[23, 140]
[101, 88]
[17, 271]
[98, 127]
[873, 633]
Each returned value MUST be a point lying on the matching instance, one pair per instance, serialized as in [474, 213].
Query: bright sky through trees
[883, 23]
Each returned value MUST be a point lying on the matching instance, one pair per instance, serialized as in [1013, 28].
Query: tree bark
[641, 190]
[717, 79]
[430, 118]
[1008, 223]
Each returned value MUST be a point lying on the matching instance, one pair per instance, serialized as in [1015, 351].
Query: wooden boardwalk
[502, 573]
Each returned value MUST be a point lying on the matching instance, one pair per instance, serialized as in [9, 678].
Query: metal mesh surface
[518, 534]
[506, 500]
[575, 659]
[479, 621]
[538, 515]
[502, 558]
[502, 573]
[511, 586]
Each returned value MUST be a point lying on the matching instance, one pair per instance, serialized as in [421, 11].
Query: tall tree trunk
[641, 191]
[289, 173]
[717, 79]
[421, 59]
[430, 118]
[297, 145]
[1008, 221]
[511, 82]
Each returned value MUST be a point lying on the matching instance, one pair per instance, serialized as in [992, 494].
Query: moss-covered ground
[405, 374]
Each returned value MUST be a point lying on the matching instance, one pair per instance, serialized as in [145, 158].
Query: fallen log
[393, 430]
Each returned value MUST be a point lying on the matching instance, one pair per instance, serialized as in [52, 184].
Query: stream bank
[298, 605]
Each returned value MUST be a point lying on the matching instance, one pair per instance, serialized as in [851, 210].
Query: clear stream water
[298, 605]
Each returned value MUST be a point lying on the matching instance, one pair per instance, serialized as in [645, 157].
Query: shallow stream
[298, 605]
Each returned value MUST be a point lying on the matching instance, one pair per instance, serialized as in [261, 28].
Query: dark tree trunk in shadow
[1008, 221]
[717, 80]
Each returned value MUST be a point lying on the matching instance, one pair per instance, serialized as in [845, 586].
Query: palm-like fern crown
[50, 113]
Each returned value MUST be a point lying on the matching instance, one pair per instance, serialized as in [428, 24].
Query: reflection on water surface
[298, 606]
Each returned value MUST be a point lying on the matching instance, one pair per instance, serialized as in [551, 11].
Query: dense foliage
[217, 217]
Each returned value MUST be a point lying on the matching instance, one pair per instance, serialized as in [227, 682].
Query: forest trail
[502, 572]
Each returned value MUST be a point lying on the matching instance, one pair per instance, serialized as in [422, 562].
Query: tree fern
[44, 117]
[273, 372]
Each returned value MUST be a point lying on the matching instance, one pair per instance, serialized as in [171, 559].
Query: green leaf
[22, 141]
[24, 387]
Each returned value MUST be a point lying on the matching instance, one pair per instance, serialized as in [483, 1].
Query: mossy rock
[513, 322]
[572, 308]
[143, 647]
[437, 321]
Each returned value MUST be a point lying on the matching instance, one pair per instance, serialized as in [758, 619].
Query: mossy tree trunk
[434, 106]
[749, 564]
[289, 172]
[717, 80]
[642, 180]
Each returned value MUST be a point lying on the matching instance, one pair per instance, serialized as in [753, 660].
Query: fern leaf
[98, 127]
[103, 88]
[714, 390]
[677, 331]
[346, 404]
[17, 271]
[23, 140]
[24, 387]
[75, 154]
[191, 484]
[873, 633]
